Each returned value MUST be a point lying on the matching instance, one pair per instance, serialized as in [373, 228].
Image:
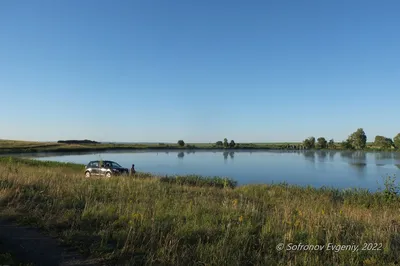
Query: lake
[340, 169]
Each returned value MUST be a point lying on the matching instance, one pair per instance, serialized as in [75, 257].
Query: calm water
[341, 169]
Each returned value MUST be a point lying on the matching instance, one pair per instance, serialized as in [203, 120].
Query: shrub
[391, 190]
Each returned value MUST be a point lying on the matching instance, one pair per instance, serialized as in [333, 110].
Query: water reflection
[346, 155]
[332, 155]
[231, 154]
[181, 154]
[322, 156]
[309, 156]
[358, 156]
[396, 157]
[382, 157]
[356, 159]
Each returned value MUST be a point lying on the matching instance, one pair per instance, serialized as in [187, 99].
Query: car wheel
[87, 174]
[108, 174]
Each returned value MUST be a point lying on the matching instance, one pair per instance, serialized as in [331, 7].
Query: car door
[103, 168]
[95, 168]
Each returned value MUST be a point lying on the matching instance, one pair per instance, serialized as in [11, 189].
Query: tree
[232, 144]
[306, 144]
[347, 145]
[225, 142]
[219, 143]
[181, 143]
[331, 144]
[322, 143]
[358, 139]
[383, 142]
[309, 143]
[396, 141]
[312, 141]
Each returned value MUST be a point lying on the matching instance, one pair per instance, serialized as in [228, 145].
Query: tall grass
[147, 221]
[199, 181]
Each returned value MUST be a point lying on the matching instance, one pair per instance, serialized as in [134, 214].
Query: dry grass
[146, 221]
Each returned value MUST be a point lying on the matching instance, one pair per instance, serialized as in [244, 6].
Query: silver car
[104, 168]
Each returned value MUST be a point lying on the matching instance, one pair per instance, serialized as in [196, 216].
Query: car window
[115, 165]
[94, 164]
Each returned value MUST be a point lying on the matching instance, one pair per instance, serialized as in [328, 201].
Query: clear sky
[252, 71]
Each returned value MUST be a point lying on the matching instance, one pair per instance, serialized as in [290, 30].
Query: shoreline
[27, 150]
[24, 147]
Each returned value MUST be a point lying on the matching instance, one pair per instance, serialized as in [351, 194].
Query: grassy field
[148, 220]
[12, 146]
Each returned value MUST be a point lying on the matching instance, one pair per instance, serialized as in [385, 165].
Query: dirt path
[29, 245]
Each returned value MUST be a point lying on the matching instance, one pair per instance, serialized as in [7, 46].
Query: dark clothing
[133, 170]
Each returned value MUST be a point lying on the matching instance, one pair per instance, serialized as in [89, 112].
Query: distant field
[24, 144]
[18, 146]
[13, 144]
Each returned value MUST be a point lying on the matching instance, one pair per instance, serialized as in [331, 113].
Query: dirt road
[29, 245]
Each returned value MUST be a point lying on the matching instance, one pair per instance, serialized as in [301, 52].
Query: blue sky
[252, 71]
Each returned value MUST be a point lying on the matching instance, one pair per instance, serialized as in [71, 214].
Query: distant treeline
[85, 141]
[355, 141]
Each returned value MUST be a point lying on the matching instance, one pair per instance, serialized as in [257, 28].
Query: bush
[391, 190]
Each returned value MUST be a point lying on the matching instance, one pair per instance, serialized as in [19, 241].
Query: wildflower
[240, 218]
[235, 203]
[323, 212]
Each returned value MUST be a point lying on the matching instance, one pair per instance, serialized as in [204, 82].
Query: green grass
[149, 221]
[20, 162]
[199, 181]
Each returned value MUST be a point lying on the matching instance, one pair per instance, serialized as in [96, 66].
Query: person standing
[133, 169]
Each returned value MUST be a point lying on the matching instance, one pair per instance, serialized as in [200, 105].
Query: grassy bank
[12, 147]
[149, 221]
